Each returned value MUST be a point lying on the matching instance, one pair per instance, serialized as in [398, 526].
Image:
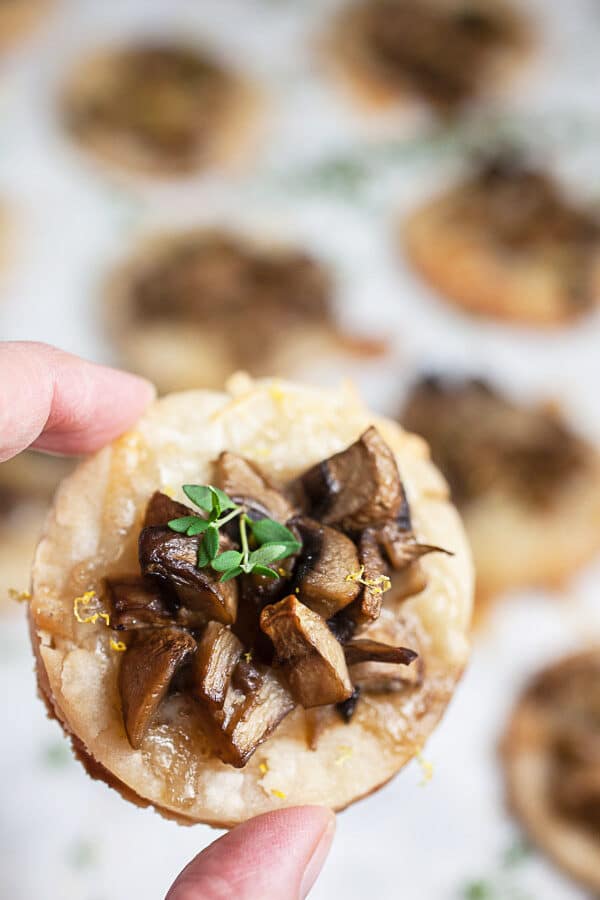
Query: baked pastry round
[27, 484]
[507, 243]
[445, 53]
[551, 756]
[162, 109]
[521, 478]
[17, 17]
[190, 308]
[314, 755]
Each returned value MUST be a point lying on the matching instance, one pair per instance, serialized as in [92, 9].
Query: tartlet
[508, 243]
[269, 686]
[443, 53]
[27, 485]
[190, 308]
[522, 479]
[551, 756]
[162, 108]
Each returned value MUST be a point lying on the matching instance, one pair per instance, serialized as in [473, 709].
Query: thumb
[278, 854]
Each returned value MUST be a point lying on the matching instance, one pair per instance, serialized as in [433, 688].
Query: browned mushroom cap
[137, 602]
[254, 705]
[147, 668]
[161, 509]
[174, 557]
[219, 651]
[358, 487]
[327, 561]
[246, 485]
[364, 650]
[311, 657]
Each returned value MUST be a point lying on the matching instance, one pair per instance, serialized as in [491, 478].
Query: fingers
[277, 855]
[61, 403]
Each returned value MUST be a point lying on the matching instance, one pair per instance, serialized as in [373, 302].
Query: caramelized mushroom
[219, 651]
[364, 650]
[373, 578]
[254, 705]
[174, 556]
[137, 602]
[401, 546]
[311, 657]
[147, 668]
[327, 562]
[356, 488]
[162, 508]
[247, 486]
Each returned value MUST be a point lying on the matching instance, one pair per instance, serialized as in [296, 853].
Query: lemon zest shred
[169, 490]
[19, 596]
[264, 767]
[248, 656]
[346, 753]
[276, 392]
[279, 794]
[379, 585]
[119, 646]
[426, 768]
[85, 600]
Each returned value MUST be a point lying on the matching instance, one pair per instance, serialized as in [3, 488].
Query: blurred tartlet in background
[527, 486]
[18, 17]
[507, 242]
[551, 755]
[190, 308]
[160, 108]
[444, 53]
[27, 485]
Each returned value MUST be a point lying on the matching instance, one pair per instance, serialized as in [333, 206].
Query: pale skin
[62, 404]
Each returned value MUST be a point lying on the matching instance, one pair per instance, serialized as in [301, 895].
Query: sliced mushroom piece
[365, 650]
[255, 703]
[401, 546]
[309, 654]
[246, 485]
[328, 560]
[219, 651]
[358, 487]
[348, 707]
[373, 578]
[162, 508]
[137, 602]
[174, 557]
[147, 668]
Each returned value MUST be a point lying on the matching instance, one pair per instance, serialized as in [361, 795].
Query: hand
[54, 401]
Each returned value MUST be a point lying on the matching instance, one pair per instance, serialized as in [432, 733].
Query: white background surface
[63, 836]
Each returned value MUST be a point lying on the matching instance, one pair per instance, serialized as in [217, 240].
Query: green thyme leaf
[220, 500]
[181, 525]
[210, 542]
[198, 527]
[203, 557]
[267, 530]
[266, 554]
[200, 494]
[232, 573]
[230, 559]
[264, 570]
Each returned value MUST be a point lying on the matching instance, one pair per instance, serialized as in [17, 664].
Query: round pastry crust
[348, 60]
[176, 355]
[527, 769]
[92, 531]
[471, 272]
[230, 142]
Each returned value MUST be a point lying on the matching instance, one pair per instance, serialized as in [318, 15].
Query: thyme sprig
[270, 540]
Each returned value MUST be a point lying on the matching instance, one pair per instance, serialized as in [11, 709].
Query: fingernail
[317, 859]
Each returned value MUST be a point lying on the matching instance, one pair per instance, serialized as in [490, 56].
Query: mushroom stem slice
[174, 557]
[137, 602]
[327, 561]
[246, 485]
[147, 668]
[358, 487]
[254, 705]
[402, 548]
[219, 651]
[374, 579]
[364, 650]
[309, 654]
